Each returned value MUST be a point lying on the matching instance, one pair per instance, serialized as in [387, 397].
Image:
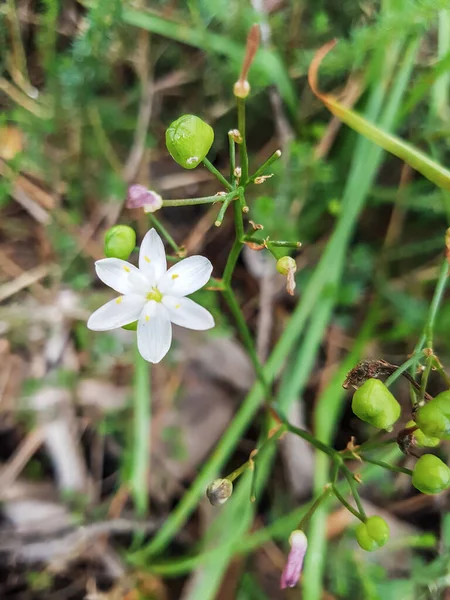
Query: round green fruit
[430, 475]
[286, 264]
[422, 440]
[374, 404]
[189, 139]
[434, 417]
[120, 242]
[372, 534]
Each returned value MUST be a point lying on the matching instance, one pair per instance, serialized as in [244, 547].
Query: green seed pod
[374, 404]
[189, 139]
[120, 242]
[422, 440]
[430, 475]
[372, 534]
[434, 417]
[286, 264]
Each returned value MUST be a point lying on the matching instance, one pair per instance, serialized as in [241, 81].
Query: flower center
[155, 295]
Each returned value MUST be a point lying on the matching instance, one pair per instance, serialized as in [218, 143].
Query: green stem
[440, 370]
[275, 243]
[236, 247]
[222, 211]
[163, 231]
[434, 306]
[371, 445]
[273, 438]
[404, 367]
[226, 184]
[348, 506]
[427, 335]
[315, 505]
[243, 147]
[425, 375]
[385, 465]
[332, 453]
[141, 435]
[275, 156]
[203, 200]
[246, 337]
[353, 487]
[232, 145]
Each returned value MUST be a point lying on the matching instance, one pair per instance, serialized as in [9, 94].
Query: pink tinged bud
[293, 569]
[140, 197]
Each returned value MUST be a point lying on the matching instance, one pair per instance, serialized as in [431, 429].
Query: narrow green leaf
[267, 62]
[418, 160]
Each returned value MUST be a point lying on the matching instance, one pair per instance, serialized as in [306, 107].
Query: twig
[27, 279]
[20, 458]
[134, 159]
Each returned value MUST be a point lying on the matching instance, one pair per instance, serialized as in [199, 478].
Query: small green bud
[422, 440]
[219, 491]
[434, 417]
[430, 475]
[374, 404]
[286, 264]
[372, 534]
[189, 139]
[120, 242]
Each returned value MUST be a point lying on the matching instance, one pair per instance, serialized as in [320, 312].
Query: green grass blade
[267, 62]
[418, 160]
[367, 161]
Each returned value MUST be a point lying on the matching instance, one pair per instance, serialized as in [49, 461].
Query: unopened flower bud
[189, 139]
[140, 197]
[294, 565]
[120, 242]
[235, 135]
[238, 172]
[219, 491]
[241, 89]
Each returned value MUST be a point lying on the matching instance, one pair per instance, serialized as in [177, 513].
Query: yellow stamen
[119, 300]
[127, 269]
[146, 258]
[175, 276]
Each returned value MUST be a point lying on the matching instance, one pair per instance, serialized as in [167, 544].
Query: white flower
[153, 296]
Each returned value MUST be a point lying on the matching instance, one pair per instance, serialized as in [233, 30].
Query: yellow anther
[147, 318]
[119, 300]
[175, 276]
[177, 305]
[146, 258]
[127, 269]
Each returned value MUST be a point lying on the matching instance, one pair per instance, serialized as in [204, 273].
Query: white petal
[152, 256]
[154, 332]
[186, 277]
[121, 311]
[187, 313]
[115, 273]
